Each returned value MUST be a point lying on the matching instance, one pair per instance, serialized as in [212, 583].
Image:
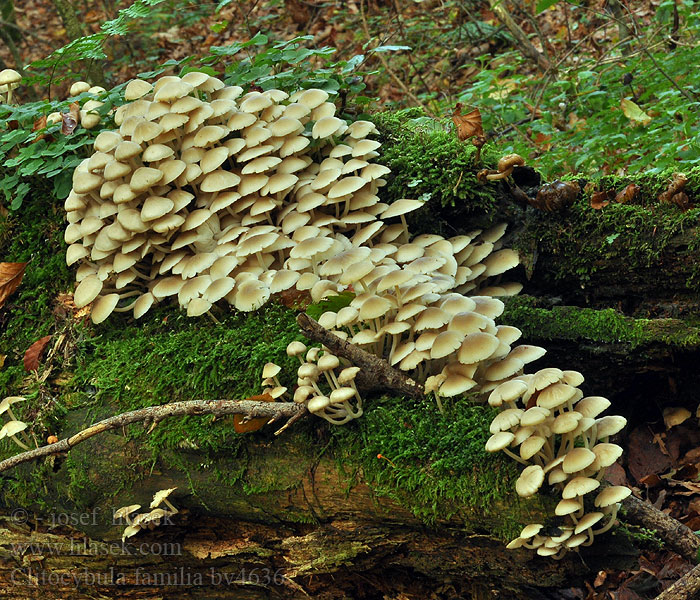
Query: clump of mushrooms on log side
[208, 194]
[546, 424]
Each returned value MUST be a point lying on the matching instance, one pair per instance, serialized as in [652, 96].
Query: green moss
[606, 325]
[38, 240]
[428, 161]
[436, 466]
[630, 236]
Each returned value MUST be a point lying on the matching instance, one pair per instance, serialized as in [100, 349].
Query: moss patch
[538, 322]
[630, 236]
[436, 465]
[428, 161]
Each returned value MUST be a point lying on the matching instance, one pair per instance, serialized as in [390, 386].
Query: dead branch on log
[154, 414]
[377, 373]
[675, 535]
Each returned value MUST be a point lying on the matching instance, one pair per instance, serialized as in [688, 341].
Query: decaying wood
[675, 535]
[377, 373]
[153, 414]
[686, 588]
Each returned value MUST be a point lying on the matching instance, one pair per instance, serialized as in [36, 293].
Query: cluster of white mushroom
[14, 427]
[560, 437]
[206, 193]
[88, 116]
[326, 384]
[149, 520]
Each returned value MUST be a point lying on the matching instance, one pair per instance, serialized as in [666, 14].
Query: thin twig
[251, 408]
[386, 66]
[377, 374]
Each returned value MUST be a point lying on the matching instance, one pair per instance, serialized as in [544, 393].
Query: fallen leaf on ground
[633, 112]
[628, 194]
[70, 119]
[33, 353]
[10, 277]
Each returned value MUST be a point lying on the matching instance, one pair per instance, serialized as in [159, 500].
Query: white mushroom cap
[577, 460]
[612, 495]
[529, 481]
[579, 486]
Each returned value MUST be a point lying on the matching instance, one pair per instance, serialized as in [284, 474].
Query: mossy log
[316, 530]
[608, 292]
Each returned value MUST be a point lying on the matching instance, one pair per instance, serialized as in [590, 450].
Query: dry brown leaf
[70, 119]
[676, 186]
[600, 200]
[40, 123]
[10, 277]
[628, 194]
[240, 425]
[468, 125]
[33, 353]
[2, 360]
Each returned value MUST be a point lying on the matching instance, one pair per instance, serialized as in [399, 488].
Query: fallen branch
[253, 408]
[674, 534]
[377, 373]
[686, 588]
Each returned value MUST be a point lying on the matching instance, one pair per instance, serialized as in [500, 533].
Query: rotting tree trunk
[320, 537]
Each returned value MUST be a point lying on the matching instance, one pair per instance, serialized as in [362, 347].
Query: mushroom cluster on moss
[546, 424]
[149, 520]
[326, 384]
[206, 194]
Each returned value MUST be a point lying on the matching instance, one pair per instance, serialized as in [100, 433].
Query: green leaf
[331, 303]
[545, 4]
[634, 113]
[391, 48]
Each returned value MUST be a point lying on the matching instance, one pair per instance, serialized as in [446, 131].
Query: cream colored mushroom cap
[507, 392]
[610, 425]
[534, 415]
[577, 460]
[161, 495]
[402, 207]
[87, 290]
[587, 521]
[318, 403]
[12, 428]
[592, 406]
[9, 76]
[506, 420]
[579, 486]
[566, 422]
[499, 440]
[103, 307]
[503, 369]
[612, 495]
[529, 481]
[606, 454]
[555, 395]
[566, 507]
[135, 89]
[532, 446]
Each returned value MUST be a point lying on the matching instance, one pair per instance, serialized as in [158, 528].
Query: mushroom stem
[610, 523]
[516, 457]
[500, 175]
[19, 443]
